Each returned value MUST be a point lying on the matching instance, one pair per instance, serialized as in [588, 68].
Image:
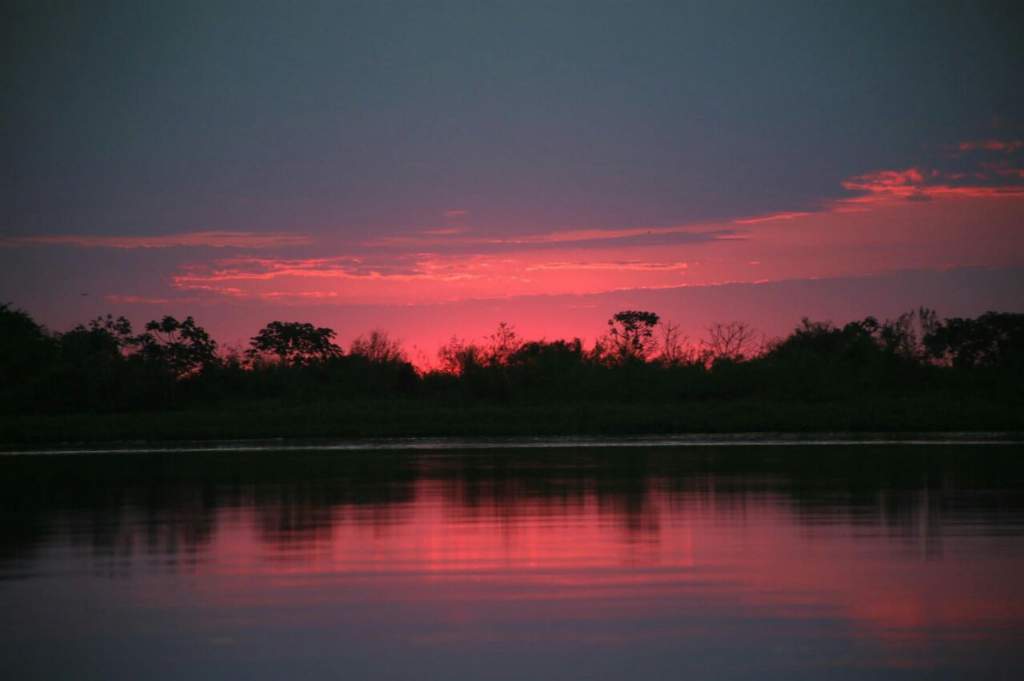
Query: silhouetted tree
[457, 357]
[101, 365]
[26, 349]
[546, 368]
[114, 330]
[89, 347]
[378, 348]
[631, 335]
[502, 344]
[731, 342]
[294, 343]
[676, 349]
[995, 339]
[182, 348]
[854, 342]
[92, 370]
[903, 337]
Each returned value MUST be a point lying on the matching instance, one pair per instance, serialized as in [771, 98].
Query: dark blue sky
[154, 117]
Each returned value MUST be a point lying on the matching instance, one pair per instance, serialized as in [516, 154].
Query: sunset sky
[434, 168]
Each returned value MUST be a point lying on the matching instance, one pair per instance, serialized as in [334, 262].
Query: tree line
[104, 365]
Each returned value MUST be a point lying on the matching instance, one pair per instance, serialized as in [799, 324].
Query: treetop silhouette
[294, 343]
[103, 366]
[631, 335]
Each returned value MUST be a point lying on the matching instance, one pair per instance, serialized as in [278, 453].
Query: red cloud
[118, 299]
[1005, 146]
[623, 265]
[894, 182]
[918, 184]
[451, 242]
[771, 217]
[252, 270]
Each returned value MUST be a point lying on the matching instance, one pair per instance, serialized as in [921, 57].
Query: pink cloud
[915, 217]
[1003, 169]
[919, 184]
[444, 231]
[1005, 146]
[420, 278]
[989, 180]
[564, 238]
[118, 299]
[628, 265]
[870, 191]
[249, 277]
[892, 183]
[305, 295]
[898, 218]
[211, 239]
[771, 217]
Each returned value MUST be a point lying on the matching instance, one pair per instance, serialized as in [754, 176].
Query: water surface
[570, 562]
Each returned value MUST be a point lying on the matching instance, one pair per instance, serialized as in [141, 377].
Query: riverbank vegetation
[104, 381]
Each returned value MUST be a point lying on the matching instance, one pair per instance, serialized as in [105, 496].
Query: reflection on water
[784, 562]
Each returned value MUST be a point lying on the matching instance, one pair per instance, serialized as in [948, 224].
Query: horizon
[667, 338]
[693, 326]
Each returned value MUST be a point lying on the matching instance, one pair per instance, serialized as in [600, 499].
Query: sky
[432, 169]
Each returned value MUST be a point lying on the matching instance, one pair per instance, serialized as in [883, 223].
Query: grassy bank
[401, 418]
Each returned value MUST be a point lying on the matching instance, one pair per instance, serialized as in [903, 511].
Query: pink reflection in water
[481, 569]
[583, 560]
